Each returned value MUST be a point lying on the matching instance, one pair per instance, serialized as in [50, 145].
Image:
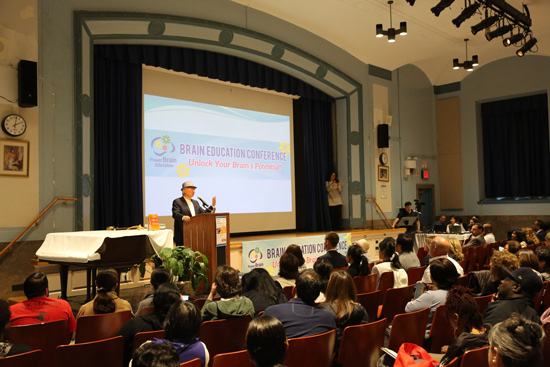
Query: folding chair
[371, 302]
[395, 301]
[192, 363]
[104, 353]
[441, 332]
[144, 336]
[415, 274]
[408, 328]
[386, 282]
[483, 302]
[476, 357]
[365, 284]
[98, 327]
[311, 351]
[29, 359]
[239, 358]
[360, 345]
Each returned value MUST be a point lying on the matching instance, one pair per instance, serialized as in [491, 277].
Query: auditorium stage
[373, 237]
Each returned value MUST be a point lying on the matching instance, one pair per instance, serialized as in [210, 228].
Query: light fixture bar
[391, 32]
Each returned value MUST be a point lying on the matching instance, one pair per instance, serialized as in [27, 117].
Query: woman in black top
[7, 348]
[262, 290]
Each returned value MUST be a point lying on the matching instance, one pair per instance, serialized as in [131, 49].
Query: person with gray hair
[515, 342]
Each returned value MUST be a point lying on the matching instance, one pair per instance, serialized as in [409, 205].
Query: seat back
[386, 282]
[147, 310]
[288, 292]
[463, 264]
[98, 327]
[355, 351]
[408, 328]
[340, 268]
[365, 284]
[395, 301]
[471, 258]
[483, 302]
[224, 336]
[464, 280]
[452, 363]
[239, 358]
[46, 337]
[441, 332]
[422, 253]
[545, 302]
[104, 353]
[192, 363]
[546, 346]
[311, 351]
[415, 274]
[371, 301]
[476, 357]
[484, 254]
[29, 359]
[144, 336]
[201, 301]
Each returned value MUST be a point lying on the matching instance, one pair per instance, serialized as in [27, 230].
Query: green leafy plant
[185, 264]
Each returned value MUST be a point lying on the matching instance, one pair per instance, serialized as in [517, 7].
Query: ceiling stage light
[527, 46]
[466, 14]
[485, 23]
[441, 6]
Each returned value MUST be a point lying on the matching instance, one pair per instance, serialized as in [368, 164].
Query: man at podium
[185, 207]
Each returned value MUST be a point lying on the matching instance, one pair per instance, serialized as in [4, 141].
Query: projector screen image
[242, 157]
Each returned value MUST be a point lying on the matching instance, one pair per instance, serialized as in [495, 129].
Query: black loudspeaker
[28, 88]
[383, 135]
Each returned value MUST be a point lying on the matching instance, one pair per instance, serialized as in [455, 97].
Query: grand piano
[100, 249]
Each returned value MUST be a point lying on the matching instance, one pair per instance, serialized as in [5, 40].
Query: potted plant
[188, 267]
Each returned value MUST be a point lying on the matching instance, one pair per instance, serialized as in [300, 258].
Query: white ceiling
[431, 44]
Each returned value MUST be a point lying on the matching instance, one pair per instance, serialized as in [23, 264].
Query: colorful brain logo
[255, 255]
[162, 145]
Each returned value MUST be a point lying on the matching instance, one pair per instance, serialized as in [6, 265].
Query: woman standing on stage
[335, 202]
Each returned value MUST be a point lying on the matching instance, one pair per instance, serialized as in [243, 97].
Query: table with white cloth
[420, 238]
[93, 249]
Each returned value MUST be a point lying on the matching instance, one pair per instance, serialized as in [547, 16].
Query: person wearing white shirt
[488, 233]
[439, 249]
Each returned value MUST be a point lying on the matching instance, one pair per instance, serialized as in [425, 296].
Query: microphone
[207, 207]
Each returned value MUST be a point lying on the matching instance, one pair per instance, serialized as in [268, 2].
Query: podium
[209, 234]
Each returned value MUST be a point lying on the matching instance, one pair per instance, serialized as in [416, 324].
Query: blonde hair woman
[455, 249]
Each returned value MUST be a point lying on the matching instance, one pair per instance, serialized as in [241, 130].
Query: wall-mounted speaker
[27, 80]
[383, 135]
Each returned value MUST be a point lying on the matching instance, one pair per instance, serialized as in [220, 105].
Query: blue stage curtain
[118, 189]
[314, 124]
[515, 147]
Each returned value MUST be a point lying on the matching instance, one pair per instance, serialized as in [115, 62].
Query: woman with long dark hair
[262, 290]
[106, 299]
[390, 262]
[266, 342]
[358, 263]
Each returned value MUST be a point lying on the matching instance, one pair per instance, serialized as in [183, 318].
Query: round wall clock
[14, 125]
[383, 157]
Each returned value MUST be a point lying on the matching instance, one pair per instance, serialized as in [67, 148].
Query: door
[424, 193]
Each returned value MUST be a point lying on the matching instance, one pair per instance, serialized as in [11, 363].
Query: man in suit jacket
[185, 207]
[337, 259]
[539, 232]
[477, 236]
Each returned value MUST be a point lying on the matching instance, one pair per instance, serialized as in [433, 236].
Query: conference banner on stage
[266, 254]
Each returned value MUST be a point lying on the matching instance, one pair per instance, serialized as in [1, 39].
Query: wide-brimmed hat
[188, 184]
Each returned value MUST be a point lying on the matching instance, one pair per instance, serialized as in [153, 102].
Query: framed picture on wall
[15, 158]
[383, 173]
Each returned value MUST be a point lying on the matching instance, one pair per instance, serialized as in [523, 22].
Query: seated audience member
[543, 257]
[404, 247]
[228, 285]
[38, 307]
[439, 249]
[164, 298]
[515, 294]
[531, 236]
[181, 326]
[528, 259]
[300, 316]
[499, 261]
[455, 249]
[266, 342]
[440, 226]
[297, 251]
[7, 348]
[473, 220]
[155, 355]
[538, 228]
[323, 267]
[365, 246]
[547, 238]
[444, 277]
[337, 259]
[519, 235]
[515, 342]
[512, 247]
[261, 289]
[341, 300]
[390, 262]
[488, 233]
[288, 270]
[455, 222]
[463, 314]
[106, 299]
[159, 276]
[477, 238]
[358, 264]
